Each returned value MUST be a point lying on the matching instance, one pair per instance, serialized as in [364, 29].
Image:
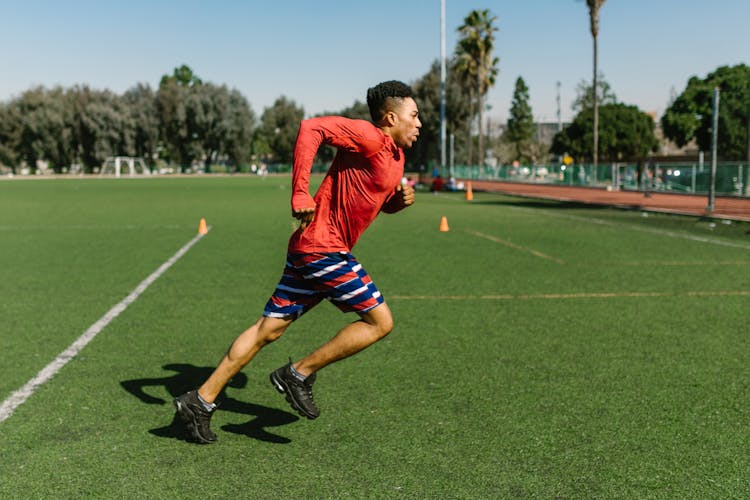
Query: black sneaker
[298, 393]
[195, 417]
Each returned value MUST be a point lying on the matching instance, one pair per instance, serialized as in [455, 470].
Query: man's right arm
[305, 148]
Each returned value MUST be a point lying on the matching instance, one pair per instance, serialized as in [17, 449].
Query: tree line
[184, 121]
[188, 123]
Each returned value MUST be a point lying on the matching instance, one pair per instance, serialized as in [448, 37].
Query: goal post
[124, 165]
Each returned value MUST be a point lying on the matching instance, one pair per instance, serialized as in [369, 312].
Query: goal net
[124, 165]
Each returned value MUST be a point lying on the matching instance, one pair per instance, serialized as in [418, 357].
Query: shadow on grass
[188, 377]
[537, 203]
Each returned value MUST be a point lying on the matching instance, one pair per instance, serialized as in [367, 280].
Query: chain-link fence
[731, 177]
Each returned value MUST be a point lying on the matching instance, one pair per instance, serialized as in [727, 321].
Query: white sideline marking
[17, 398]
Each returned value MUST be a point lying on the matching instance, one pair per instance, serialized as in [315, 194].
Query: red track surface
[724, 207]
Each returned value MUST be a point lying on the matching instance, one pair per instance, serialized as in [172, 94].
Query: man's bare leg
[373, 326]
[242, 350]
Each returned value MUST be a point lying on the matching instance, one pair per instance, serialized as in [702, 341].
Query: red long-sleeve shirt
[362, 178]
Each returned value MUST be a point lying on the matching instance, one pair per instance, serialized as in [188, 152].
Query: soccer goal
[118, 165]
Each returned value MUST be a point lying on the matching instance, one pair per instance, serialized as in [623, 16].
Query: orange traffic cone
[202, 228]
[469, 192]
[444, 225]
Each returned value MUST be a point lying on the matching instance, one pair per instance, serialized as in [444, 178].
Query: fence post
[740, 179]
[693, 179]
[614, 177]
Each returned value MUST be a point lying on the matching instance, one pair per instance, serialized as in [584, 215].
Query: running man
[363, 180]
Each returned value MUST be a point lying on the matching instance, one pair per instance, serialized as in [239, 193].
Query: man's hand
[407, 194]
[402, 198]
[304, 215]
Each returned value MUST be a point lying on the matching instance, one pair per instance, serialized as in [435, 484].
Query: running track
[725, 207]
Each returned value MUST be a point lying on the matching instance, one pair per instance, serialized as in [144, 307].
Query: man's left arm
[399, 200]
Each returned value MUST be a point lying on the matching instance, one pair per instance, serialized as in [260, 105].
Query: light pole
[442, 87]
[714, 132]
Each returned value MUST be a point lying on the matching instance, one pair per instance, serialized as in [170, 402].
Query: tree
[182, 76]
[170, 104]
[465, 67]
[184, 121]
[142, 126]
[585, 94]
[426, 89]
[357, 111]
[520, 129]
[594, 6]
[278, 128]
[43, 132]
[179, 102]
[203, 122]
[10, 136]
[238, 127]
[474, 51]
[99, 125]
[627, 134]
[690, 114]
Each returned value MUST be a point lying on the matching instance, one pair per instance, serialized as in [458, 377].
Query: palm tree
[465, 67]
[594, 6]
[476, 45]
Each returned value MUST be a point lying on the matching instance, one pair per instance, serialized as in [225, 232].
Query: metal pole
[714, 133]
[442, 87]
[453, 141]
[559, 115]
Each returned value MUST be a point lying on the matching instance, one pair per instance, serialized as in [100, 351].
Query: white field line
[509, 244]
[583, 295]
[17, 398]
[660, 232]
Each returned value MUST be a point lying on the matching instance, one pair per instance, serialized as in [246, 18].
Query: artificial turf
[541, 349]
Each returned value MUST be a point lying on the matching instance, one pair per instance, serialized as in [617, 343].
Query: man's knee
[386, 325]
[380, 318]
[270, 329]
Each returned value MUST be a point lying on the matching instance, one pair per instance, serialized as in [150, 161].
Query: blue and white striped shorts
[311, 277]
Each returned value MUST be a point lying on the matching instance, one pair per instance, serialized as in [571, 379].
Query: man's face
[406, 123]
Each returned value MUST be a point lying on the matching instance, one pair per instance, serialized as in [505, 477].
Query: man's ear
[389, 119]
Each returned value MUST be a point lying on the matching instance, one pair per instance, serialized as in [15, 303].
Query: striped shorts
[311, 277]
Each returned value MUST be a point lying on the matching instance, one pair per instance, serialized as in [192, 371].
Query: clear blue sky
[323, 54]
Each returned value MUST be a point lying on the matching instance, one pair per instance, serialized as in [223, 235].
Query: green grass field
[540, 349]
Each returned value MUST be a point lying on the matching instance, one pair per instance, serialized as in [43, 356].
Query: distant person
[363, 180]
[437, 184]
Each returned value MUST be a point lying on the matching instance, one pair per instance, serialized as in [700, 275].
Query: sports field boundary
[20, 396]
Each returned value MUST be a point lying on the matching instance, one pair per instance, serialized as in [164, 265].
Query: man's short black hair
[378, 97]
